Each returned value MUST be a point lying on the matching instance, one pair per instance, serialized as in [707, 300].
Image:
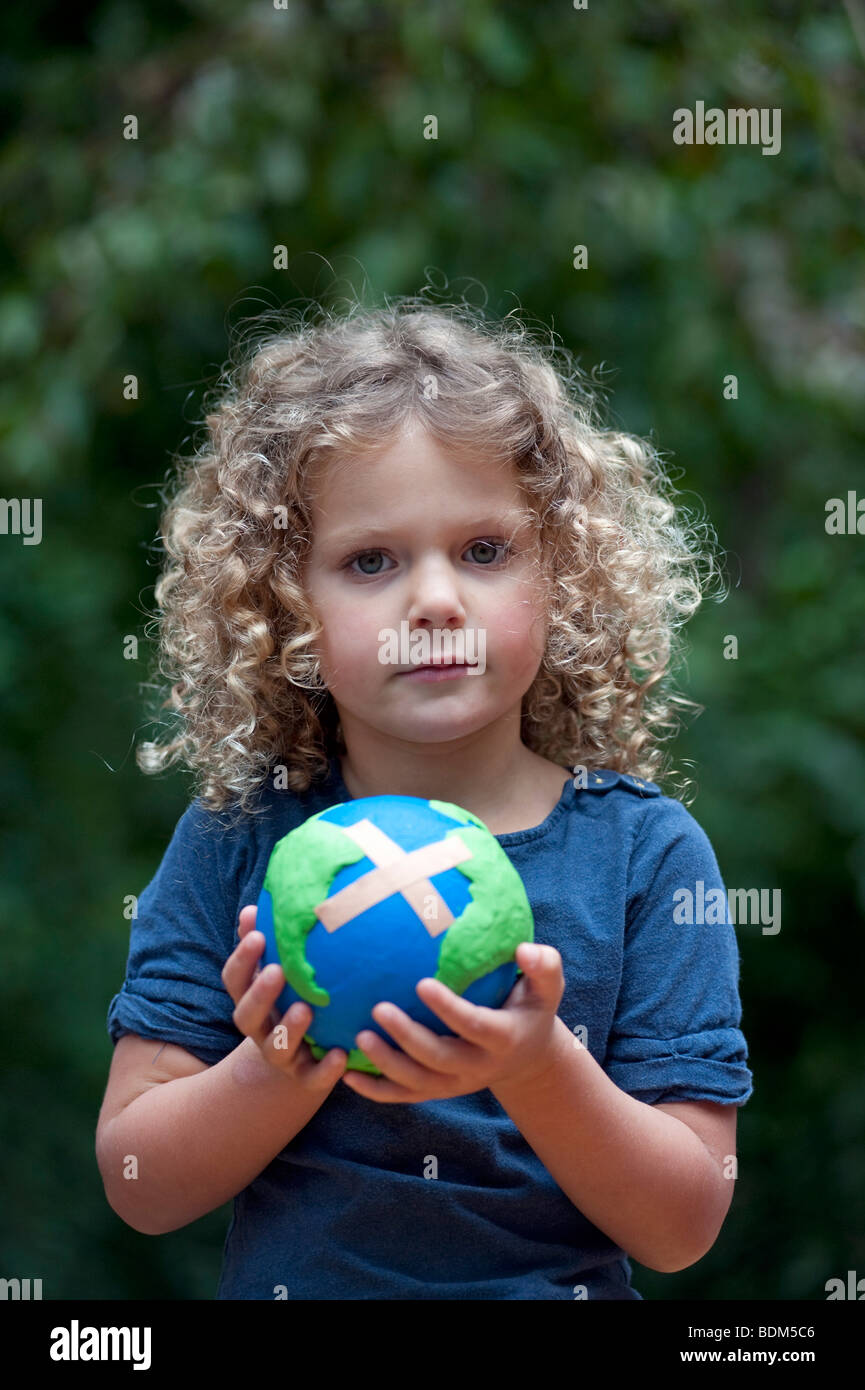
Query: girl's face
[415, 541]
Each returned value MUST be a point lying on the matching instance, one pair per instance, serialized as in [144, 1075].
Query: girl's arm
[177, 1138]
[645, 1178]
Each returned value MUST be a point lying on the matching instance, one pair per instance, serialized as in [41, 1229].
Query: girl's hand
[280, 1040]
[515, 1042]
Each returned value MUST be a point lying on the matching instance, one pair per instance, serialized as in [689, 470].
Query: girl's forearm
[185, 1146]
[641, 1176]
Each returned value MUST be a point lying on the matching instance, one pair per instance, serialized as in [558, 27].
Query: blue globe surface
[384, 951]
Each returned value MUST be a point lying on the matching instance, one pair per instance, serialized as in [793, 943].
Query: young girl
[412, 465]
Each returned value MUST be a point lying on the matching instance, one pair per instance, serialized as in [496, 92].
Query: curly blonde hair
[235, 626]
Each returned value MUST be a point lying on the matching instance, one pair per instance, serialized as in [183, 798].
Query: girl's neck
[509, 788]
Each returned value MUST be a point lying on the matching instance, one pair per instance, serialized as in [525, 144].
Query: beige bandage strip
[383, 851]
[396, 871]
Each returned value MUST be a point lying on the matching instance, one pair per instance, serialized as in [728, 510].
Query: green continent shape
[489, 930]
[302, 868]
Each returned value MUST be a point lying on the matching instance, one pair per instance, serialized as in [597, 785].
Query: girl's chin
[450, 724]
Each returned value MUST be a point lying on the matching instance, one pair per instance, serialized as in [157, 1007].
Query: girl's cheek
[354, 646]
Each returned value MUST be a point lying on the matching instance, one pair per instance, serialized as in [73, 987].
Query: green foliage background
[303, 126]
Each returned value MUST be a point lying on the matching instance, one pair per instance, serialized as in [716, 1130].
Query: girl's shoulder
[604, 779]
[638, 805]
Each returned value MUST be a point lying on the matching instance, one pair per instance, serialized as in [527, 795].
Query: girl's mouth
[440, 672]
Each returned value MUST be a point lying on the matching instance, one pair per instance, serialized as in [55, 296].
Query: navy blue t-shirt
[345, 1211]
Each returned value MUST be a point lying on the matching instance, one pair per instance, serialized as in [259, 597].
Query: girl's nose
[435, 594]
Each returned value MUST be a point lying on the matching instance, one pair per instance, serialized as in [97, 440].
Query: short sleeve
[183, 933]
[675, 1033]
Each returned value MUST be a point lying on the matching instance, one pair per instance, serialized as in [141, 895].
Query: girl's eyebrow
[508, 522]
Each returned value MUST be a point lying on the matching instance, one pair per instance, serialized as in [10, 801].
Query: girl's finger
[252, 1015]
[246, 920]
[489, 1028]
[241, 966]
[321, 1075]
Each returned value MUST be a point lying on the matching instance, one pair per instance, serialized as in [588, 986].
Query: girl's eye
[364, 555]
[367, 560]
[490, 547]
